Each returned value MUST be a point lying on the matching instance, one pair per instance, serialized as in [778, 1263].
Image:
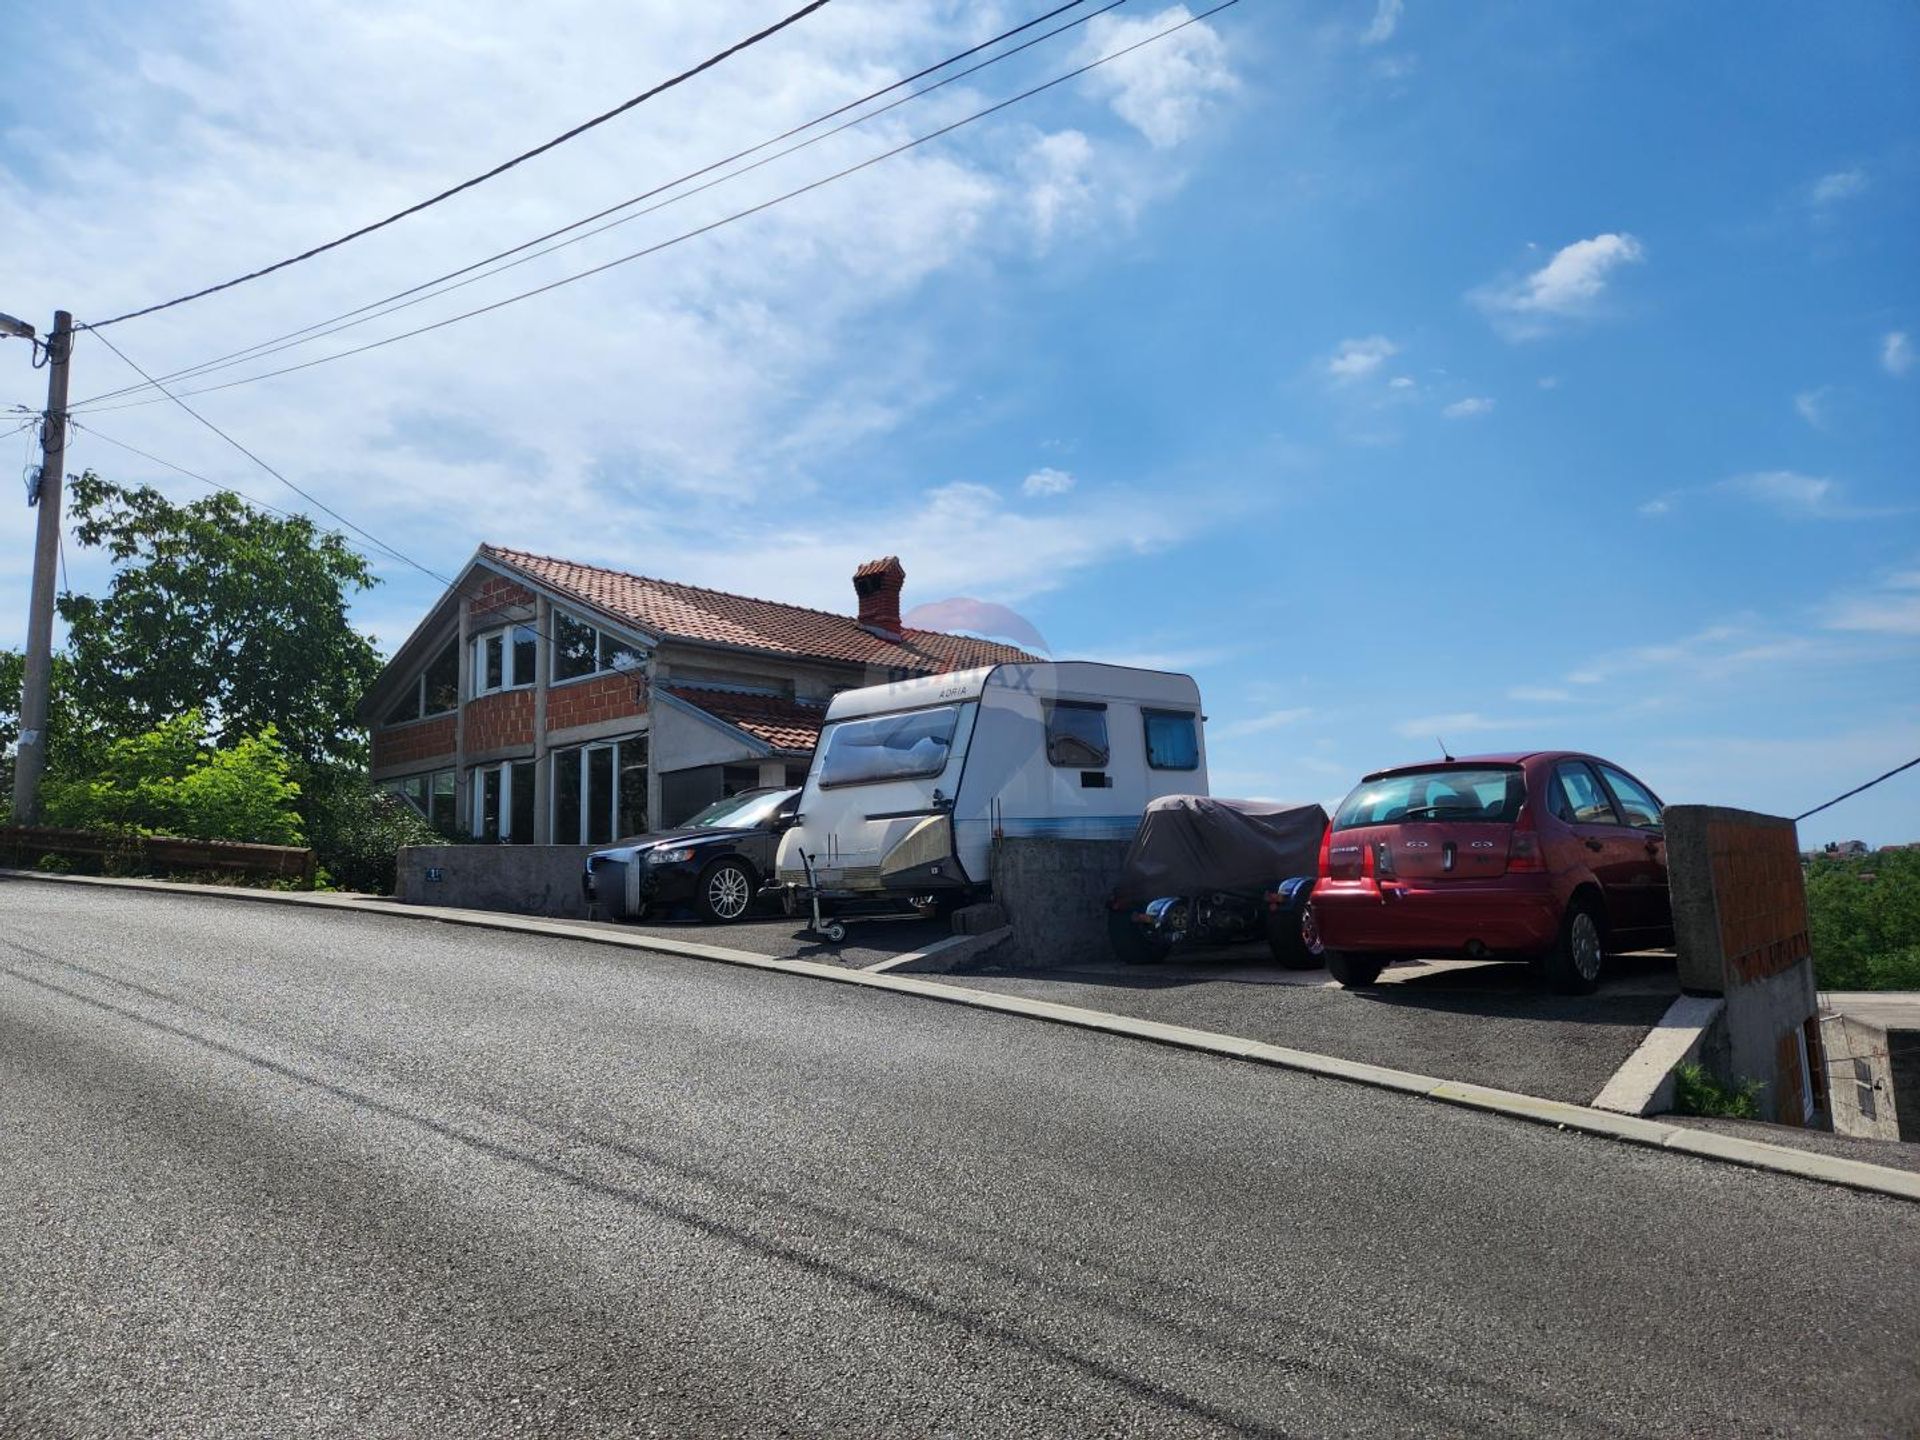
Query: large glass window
[888, 747]
[1173, 739]
[1637, 805]
[1077, 734]
[519, 822]
[1487, 796]
[581, 649]
[490, 802]
[434, 691]
[505, 659]
[600, 792]
[431, 794]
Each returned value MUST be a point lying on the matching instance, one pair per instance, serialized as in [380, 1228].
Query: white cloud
[1260, 724]
[1659, 505]
[1457, 722]
[1896, 353]
[1047, 481]
[1568, 287]
[1548, 382]
[1838, 186]
[1539, 694]
[1401, 382]
[1166, 90]
[1470, 408]
[1357, 359]
[685, 405]
[1811, 405]
[1386, 20]
[1786, 492]
[1891, 608]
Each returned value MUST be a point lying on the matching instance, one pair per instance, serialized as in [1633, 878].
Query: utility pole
[30, 759]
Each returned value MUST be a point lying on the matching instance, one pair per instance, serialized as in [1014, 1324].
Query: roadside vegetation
[1864, 912]
[209, 692]
[1697, 1092]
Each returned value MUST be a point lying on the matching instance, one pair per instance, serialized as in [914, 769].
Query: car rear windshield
[888, 747]
[1490, 796]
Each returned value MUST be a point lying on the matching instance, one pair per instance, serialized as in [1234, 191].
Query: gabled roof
[784, 724]
[689, 612]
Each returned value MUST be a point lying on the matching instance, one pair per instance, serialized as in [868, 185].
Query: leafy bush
[356, 832]
[1865, 916]
[170, 781]
[1696, 1092]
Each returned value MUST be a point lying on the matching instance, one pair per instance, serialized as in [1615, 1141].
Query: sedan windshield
[1487, 796]
[740, 812]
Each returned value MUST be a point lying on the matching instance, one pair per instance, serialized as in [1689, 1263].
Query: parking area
[1481, 1022]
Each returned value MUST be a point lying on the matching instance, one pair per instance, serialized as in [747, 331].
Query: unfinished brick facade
[588, 702]
[422, 741]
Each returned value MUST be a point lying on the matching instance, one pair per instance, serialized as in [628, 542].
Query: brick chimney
[878, 584]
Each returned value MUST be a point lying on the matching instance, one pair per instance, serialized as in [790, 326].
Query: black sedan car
[714, 865]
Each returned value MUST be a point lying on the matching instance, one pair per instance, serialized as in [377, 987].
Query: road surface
[272, 1171]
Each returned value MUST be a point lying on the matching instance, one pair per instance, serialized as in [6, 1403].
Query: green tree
[1864, 911]
[218, 607]
[75, 740]
[170, 781]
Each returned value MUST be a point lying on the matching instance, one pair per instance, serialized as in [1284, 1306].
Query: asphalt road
[273, 1171]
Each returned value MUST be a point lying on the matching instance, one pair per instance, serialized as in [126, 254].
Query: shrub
[357, 831]
[170, 781]
[1696, 1092]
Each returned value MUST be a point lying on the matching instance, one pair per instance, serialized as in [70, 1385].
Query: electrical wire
[238, 494]
[713, 225]
[387, 305]
[1857, 789]
[500, 169]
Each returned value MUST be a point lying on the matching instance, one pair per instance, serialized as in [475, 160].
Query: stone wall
[1054, 893]
[521, 879]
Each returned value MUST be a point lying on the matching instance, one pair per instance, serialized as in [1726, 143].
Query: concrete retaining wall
[520, 879]
[1054, 893]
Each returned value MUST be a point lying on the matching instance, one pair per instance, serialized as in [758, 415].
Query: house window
[504, 659]
[503, 803]
[600, 792]
[581, 649]
[1173, 739]
[434, 691]
[430, 794]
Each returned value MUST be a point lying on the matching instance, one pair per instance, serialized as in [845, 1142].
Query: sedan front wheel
[725, 893]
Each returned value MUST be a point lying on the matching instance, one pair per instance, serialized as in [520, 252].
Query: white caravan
[912, 781]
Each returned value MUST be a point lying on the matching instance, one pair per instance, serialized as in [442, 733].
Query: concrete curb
[1644, 1082]
[1753, 1154]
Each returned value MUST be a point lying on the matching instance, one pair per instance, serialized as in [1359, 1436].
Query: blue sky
[1519, 375]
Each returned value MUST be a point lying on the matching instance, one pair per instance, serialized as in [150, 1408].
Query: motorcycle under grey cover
[1190, 843]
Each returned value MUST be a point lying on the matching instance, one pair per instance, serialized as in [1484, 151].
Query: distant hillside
[1865, 911]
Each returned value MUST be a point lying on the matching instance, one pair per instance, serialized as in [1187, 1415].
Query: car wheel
[725, 893]
[1574, 964]
[1294, 939]
[1132, 944]
[1354, 972]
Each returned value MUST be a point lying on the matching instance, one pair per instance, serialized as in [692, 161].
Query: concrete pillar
[1740, 926]
[542, 672]
[773, 774]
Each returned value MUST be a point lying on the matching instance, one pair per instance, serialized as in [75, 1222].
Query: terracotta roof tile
[782, 723]
[688, 612]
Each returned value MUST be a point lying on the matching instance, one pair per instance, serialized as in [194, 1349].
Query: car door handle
[1595, 845]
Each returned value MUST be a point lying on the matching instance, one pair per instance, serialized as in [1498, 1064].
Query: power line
[376, 309]
[1858, 788]
[724, 220]
[305, 495]
[196, 475]
[502, 168]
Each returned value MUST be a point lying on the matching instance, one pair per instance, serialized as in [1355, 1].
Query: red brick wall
[497, 720]
[585, 702]
[496, 593]
[423, 740]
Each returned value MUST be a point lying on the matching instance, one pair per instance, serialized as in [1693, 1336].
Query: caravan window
[888, 747]
[1076, 735]
[1173, 740]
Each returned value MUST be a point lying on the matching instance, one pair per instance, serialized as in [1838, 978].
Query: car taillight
[1326, 853]
[1366, 862]
[1523, 850]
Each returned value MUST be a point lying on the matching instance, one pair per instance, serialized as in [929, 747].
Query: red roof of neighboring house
[784, 724]
[688, 612]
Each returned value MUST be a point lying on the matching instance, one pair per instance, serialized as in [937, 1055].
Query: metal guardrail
[24, 845]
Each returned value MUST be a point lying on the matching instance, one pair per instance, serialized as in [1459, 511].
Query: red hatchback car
[1553, 857]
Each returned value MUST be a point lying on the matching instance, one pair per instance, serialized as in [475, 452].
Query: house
[543, 701]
